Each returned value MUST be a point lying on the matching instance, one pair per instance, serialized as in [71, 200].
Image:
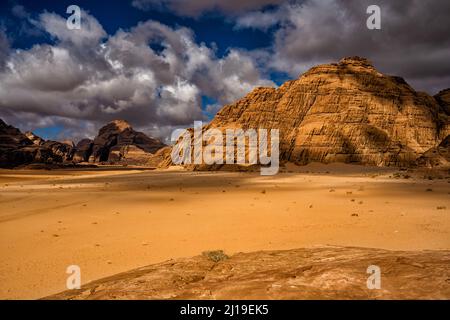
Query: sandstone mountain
[116, 142]
[344, 112]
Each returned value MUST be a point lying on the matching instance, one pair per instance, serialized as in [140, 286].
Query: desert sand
[110, 220]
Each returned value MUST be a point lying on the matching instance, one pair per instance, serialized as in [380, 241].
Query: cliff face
[344, 112]
[443, 98]
[83, 150]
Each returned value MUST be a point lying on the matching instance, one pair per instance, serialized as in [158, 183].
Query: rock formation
[313, 273]
[118, 142]
[443, 98]
[61, 150]
[344, 112]
[17, 149]
[437, 157]
[34, 138]
[83, 150]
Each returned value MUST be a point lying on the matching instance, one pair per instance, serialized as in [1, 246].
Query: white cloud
[95, 78]
[90, 33]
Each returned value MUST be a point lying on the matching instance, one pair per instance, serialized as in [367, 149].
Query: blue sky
[209, 28]
[197, 57]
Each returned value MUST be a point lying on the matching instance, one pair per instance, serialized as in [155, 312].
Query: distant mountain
[116, 142]
[17, 148]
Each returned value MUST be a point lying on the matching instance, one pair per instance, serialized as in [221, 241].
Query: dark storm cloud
[4, 49]
[194, 8]
[414, 41]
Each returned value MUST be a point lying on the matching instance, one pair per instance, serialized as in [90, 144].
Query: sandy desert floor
[111, 221]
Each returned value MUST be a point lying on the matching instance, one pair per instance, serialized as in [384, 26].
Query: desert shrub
[215, 256]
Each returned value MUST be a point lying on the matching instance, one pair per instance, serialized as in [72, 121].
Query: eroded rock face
[83, 150]
[344, 112]
[16, 149]
[310, 273]
[443, 98]
[118, 142]
[34, 138]
[61, 150]
[437, 157]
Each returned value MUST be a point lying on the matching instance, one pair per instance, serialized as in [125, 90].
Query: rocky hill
[18, 149]
[116, 142]
[345, 112]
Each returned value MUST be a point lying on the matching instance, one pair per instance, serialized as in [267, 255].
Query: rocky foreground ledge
[313, 273]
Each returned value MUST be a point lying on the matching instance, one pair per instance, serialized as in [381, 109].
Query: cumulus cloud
[151, 75]
[413, 41]
[90, 34]
[194, 8]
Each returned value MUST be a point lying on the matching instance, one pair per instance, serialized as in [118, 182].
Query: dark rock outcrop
[118, 142]
[443, 98]
[83, 150]
[34, 138]
[17, 149]
[437, 157]
[61, 150]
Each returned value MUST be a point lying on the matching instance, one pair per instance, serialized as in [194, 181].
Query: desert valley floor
[109, 221]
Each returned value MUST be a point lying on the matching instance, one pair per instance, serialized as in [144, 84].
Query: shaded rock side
[437, 157]
[61, 151]
[118, 142]
[443, 98]
[17, 149]
[83, 150]
[311, 273]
